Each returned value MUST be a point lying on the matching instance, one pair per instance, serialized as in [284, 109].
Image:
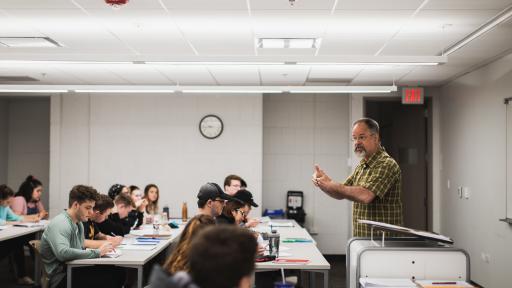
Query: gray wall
[104, 139]
[4, 136]
[25, 141]
[300, 130]
[473, 150]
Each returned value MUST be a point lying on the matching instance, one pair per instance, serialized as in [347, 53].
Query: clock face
[211, 126]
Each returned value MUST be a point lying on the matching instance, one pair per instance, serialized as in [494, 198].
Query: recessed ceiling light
[293, 43]
[28, 42]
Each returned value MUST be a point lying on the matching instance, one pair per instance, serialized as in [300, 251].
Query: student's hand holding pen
[106, 248]
[115, 240]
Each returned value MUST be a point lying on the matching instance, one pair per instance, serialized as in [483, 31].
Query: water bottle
[184, 212]
[273, 243]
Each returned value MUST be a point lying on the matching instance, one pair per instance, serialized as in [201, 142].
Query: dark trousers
[96, 276]
[15, 247]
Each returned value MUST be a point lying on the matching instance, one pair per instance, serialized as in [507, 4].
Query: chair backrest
[36, 244]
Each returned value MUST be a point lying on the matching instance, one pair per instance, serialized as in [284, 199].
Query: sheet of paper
[385, 282]
[136, 247]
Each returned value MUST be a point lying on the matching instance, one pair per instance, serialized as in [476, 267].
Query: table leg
[68, 278]
[312, 279]
[326, 279]
[139, 276]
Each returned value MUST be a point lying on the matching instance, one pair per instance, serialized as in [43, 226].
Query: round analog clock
[211, 126]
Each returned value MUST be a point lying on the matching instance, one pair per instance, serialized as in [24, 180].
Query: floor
[337, 276]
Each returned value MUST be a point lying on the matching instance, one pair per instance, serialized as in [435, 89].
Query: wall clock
[211, 126]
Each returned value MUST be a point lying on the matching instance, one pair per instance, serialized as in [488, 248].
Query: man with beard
[374, 186]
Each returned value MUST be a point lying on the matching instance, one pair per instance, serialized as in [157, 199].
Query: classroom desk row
[136, 259]
[304, 248]
[10, 232]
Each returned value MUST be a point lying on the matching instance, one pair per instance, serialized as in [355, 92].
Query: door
[405, 136]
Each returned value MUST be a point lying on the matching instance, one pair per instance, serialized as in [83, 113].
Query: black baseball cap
[245, 197]
[212, 191]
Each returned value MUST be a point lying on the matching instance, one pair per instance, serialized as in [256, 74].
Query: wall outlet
[459, 192]
[466, 192]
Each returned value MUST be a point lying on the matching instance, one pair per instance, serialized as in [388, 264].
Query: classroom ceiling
[224, 30]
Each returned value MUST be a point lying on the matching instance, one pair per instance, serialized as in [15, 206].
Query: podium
[420, 255]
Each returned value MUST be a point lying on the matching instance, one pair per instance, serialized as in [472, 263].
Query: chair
[36, 244]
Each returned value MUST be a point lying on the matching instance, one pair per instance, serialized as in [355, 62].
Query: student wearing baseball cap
[211, 199]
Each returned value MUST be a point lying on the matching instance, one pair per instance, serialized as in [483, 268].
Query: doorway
[406, 135]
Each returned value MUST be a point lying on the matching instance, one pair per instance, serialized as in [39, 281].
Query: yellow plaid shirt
[381, 175]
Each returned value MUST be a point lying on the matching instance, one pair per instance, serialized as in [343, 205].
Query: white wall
[473, 156]
[301, 130]
[4, 124]
[104, 139]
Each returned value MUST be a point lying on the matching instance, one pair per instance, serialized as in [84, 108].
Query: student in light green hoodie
[63, 239]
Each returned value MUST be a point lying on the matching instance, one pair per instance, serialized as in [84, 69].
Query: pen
[444, 283]
[112, 233]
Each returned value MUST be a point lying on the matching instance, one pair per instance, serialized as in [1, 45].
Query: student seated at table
[211, 199]
[234, 213]
[63, 240]
[14, 245]
[27, 200]
[117, 189]
[178, 261]
[136, 216]
[93, 237]
[118, 223]
[245, 197]
[220, 256]
[151, 194]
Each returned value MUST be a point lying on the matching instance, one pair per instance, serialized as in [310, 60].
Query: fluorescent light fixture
[191, 89]
[2, 90]
[29, 42]
[135, 90]
[208, 63]
[229, 91]
[369, 63]
[50, 62]
[486, 27]
[293, 43]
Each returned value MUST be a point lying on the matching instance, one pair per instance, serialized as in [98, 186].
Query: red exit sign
[412, 95]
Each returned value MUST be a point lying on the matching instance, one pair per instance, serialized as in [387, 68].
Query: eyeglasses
[361, 138]
[220, 200]
[241, 212]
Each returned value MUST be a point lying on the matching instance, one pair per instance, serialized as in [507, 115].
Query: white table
[303, 250]
[129, 258]
[15, 231]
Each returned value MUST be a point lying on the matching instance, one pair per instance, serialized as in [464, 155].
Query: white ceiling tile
[85, 34]
[235, 75]
[205, 5]
[187, 74]
[284, 75]
[290, 24]
[227, 32]
[130, 6]
[467, 4]
[36, 4]
[140, 74]
[378, 5]
[443, 23]
[416, 47]
[369, 24]
[148, 31]
[334, 72]
[92, 74]
[349, 46]
[297, 5]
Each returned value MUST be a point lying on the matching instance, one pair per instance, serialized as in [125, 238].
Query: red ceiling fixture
[116, 3]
